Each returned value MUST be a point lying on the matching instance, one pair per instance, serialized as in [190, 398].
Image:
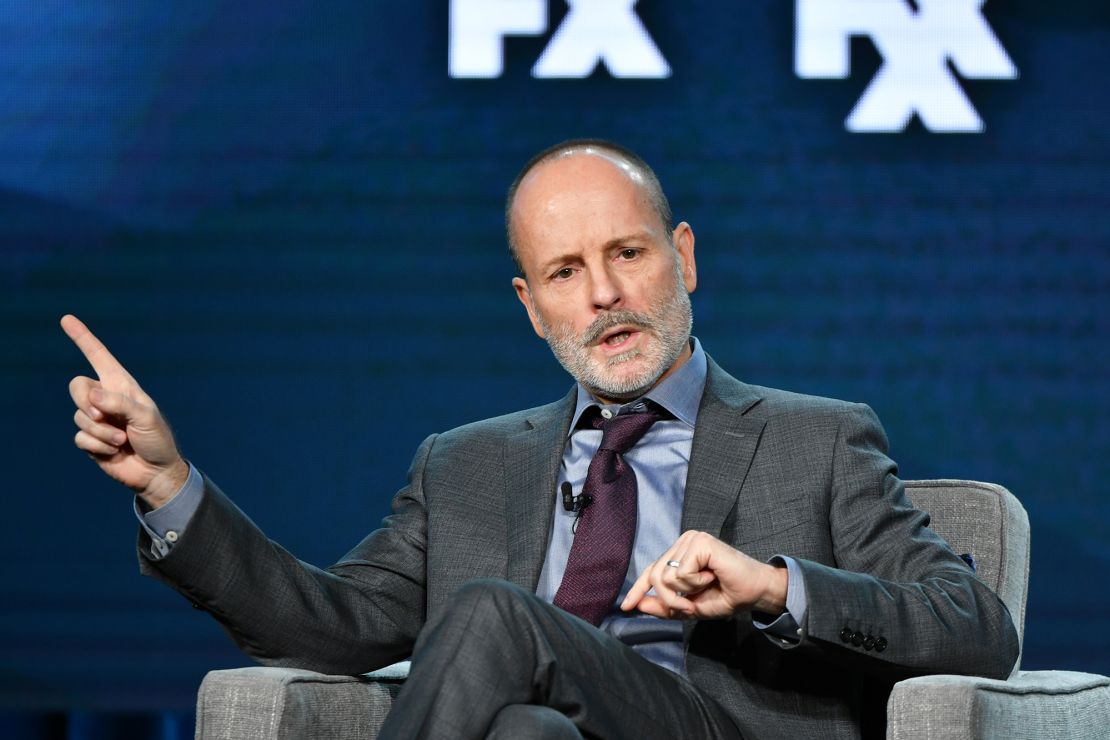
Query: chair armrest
[287, 703]
[1033, 704]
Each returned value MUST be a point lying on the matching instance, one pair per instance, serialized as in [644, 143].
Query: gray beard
[670, 321]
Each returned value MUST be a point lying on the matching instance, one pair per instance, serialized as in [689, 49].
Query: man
[771, 578]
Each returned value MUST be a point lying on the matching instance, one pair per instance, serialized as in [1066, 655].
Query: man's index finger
[92, 348]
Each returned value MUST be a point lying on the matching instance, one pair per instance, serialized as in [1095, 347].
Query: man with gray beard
[665, 552]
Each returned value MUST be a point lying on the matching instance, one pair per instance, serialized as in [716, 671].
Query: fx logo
[606, 31]
[916, 46]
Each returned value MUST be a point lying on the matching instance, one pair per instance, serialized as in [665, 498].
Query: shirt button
[171, 536]
[606, 413]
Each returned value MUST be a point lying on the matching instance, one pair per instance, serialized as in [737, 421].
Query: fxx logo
[916, 45]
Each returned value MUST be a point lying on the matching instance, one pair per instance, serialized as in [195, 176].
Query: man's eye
[563, 274]
[629, 254]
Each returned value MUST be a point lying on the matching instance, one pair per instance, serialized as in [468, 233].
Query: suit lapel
[725, 441]
[532, 458]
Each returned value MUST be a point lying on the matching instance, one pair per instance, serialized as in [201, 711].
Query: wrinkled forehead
[583, 193]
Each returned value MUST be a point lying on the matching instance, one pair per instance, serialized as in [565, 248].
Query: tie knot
[620, 433]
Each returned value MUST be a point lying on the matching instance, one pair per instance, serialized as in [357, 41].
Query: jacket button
[880, 644]
[845, 634]
[857, 638]
[869, 642]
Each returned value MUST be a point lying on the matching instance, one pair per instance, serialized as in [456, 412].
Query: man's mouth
[618, 337]
[612, 332]
[615, 339]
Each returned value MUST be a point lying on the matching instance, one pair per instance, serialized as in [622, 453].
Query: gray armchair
[981, 519]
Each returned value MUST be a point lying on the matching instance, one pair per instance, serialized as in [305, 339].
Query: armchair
[980, 519]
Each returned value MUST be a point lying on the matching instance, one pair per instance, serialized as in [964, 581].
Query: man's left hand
[700, 577]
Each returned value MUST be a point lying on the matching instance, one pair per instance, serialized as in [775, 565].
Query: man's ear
[525, 296]
[683, 239]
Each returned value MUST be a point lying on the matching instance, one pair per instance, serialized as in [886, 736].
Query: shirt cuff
[167, 524]
[787, 626]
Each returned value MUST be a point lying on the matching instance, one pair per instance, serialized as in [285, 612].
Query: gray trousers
[499, 662]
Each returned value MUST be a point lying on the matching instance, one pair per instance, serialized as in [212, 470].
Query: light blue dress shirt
[660, 460]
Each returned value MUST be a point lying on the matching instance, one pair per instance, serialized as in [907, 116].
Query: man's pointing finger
[92, 348]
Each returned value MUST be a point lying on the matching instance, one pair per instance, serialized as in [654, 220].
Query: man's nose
[605, 291]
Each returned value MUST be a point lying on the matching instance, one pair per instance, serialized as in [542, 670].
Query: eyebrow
[639, 236]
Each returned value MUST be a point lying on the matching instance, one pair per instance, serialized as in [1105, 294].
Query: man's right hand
[119, 425]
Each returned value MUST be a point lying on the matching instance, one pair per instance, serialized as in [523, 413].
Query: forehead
[588, 193]
[580, 170]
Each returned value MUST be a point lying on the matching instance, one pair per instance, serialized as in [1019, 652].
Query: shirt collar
[680, 393]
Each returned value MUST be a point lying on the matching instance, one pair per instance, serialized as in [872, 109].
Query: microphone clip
[576, 504]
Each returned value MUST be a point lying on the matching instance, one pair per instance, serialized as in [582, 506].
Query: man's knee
[488, 594]
[485, 621]
[484, 606]
[532, 722]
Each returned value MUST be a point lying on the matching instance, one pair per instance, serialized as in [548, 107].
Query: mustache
[607, 321]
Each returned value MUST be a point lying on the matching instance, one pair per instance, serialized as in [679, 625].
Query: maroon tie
[602, 545]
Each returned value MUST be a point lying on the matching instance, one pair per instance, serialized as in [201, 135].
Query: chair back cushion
[985, 521]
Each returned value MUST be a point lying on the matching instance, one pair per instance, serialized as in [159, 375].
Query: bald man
[664, 552]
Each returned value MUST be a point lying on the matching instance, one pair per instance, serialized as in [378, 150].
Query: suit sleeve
[895, 581]
[360, 614]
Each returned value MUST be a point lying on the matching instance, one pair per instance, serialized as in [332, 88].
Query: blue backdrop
[285, 219]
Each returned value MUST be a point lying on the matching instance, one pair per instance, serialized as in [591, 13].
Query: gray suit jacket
[770, 472]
